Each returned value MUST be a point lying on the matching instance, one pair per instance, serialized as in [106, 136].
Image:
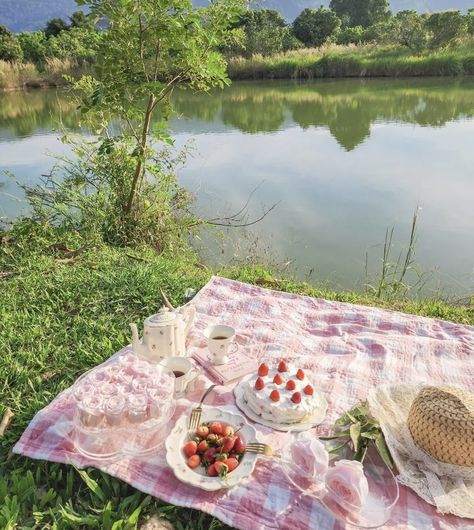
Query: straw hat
[441, 422]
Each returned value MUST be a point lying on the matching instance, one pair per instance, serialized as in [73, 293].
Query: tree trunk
[140, 167]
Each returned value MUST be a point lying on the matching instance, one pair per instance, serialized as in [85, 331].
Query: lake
[344, 160]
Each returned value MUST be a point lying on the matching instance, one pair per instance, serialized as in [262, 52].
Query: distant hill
[29, 15]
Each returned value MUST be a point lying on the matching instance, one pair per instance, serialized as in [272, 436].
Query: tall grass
[20, 75]
[14, 75]
[355, 61]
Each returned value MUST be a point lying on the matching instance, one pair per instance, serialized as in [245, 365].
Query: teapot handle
[189, 313]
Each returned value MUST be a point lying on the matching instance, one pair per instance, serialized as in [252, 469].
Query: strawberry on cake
[281, 395]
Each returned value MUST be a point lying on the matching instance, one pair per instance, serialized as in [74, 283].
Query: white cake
[286, 409]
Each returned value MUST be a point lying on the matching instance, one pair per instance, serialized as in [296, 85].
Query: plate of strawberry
[213, 456]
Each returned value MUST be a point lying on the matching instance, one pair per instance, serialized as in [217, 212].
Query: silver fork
[261, 449]
[195, 417]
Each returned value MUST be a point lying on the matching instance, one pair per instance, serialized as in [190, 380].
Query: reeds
[15, 75]
[355, 61]
[20, 75]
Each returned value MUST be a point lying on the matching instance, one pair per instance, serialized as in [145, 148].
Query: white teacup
[220, 340]
[184, 371]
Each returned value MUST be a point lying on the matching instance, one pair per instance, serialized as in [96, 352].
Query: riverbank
[326, 62]
[66, 305]
[355, 61]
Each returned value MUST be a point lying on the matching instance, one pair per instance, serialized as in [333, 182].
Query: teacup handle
[233, 348]
[191, 377]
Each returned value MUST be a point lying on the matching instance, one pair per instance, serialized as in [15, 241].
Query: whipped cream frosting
[284, 410]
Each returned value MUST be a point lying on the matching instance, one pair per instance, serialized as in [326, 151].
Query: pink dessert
[137, 408]
[90, 410]
[108, 389]
[115, 410]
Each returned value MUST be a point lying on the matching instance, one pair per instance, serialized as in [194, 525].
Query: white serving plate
[198, 477]
[316, 419]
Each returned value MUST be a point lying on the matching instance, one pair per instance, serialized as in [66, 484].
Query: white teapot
[164, 334]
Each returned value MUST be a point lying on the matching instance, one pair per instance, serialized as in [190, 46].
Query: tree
[355, 35]
[314, 27]
[34, 46]
[470, 21]
[79, 19]
[81, 44]
[55, 26]
[363, 13]
[446, 27]
[150, 48]
[264, 31]
[10, 49]
[411, 29]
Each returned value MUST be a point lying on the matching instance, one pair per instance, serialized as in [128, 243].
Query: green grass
[355, 61]
[58, 320]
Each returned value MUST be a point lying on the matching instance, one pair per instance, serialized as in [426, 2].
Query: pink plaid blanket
[350, 348]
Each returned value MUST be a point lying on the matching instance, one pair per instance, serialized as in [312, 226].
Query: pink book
[239, 365]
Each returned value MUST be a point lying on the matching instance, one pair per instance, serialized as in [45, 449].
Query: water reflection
[348, 109]
[24, 114]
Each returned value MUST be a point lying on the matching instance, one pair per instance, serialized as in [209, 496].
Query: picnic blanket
[350, 348]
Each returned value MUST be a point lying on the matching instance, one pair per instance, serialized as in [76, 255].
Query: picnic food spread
[282, 394]
[120, 417]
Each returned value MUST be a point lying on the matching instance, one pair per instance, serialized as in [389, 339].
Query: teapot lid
[164, 316]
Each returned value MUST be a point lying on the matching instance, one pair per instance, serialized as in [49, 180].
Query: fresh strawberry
[231, 464]
[296, 397]
[300, 374]
[275, 395]
[221, 469]
[210, 455]
[194, 461]
[239, 446]
[290, 385]
[216, 427]
[190, 449]
[212, 438]
[229, 430]
[227, 444]
[221, 456]
[211, 471]
[203, 446]
[202, 431]
[259, 384]
[263, 370]
[308, 389]
[282, 367]
[277, 379]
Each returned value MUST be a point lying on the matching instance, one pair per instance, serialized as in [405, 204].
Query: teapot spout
[136, 342]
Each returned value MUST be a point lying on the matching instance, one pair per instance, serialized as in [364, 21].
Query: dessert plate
[315, 419]
[197, 477]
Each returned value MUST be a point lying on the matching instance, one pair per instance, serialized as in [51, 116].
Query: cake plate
[317, 417]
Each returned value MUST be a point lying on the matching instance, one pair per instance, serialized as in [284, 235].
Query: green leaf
[355, 435]
[343, 420]
[383, 450]
[92, 485]
[370, 435]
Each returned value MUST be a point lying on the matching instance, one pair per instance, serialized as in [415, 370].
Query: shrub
[88, 194]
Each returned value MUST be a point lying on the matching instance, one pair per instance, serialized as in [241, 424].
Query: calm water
[344, 159]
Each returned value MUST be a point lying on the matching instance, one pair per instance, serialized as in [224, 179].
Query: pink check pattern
[348, 348]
